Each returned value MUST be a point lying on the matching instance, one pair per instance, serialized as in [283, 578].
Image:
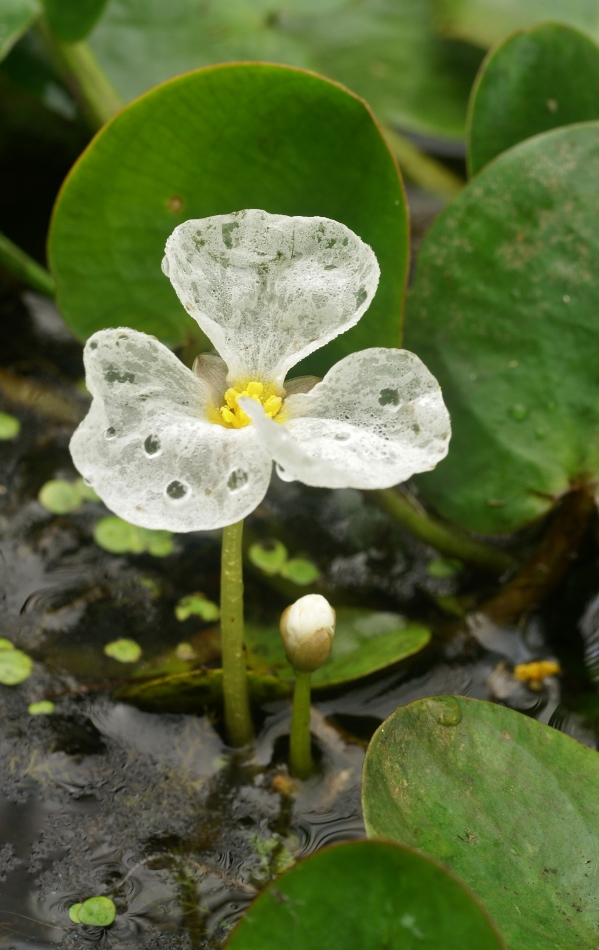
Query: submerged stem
[238, 720]
[25, 268]
[300, 753]
[444, 537]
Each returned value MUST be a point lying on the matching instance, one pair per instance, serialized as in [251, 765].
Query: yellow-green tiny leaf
[74, 912]
[42, 708]
[15, 666]
[269, 555]
[123, 650]
[59, 497]
[9, 425]
[300, 571]
[198, 605]
[97, 912]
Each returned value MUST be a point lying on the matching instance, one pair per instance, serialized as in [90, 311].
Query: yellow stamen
[233, 416]
[535, 673]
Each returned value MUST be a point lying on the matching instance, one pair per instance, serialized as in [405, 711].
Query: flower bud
[307, 629]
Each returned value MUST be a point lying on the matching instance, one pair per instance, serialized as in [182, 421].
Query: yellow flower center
[234, 417]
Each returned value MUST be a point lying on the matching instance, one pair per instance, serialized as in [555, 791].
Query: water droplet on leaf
[445, 710]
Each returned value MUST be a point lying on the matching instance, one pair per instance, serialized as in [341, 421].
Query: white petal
[146, 445]
[376, 419]
[268, 289]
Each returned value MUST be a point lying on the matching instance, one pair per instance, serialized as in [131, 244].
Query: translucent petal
[377, 418]
[147, 447]
[268, 289]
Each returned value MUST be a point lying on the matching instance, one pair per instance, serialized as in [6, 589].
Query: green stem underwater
[444, 537]
[238, 720]
[25, 268]
[300, 752]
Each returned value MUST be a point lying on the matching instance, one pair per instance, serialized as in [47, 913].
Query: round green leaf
[59, 497]
[441, 567]
[74, 912]
[96, 912]
[115, 535]
[510, 805]
[365, 641]
[9, 426]
[300, 571]
[367, 895]
[269, 556]
[196, 605]
[15, 666]
[385, 50]
[123, 650]
[504, 313]
[158, 543]
[215, 141]
[6, 644]
[42, 708]
[536, 80]
[71, 21]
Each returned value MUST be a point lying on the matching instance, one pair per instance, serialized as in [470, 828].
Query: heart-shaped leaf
[211, 142]
[536, 80]
[504, 313]
[384, 50]
[510, 805]
[367, 895]
[365, 641]
[487, 21]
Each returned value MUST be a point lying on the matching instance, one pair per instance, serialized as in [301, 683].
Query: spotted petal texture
[376, 419]
[147, 447]
[268, 289]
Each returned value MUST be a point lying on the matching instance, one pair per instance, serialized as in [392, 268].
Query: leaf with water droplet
[505, 802]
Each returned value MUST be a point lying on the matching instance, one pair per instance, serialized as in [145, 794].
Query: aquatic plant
[170, 448]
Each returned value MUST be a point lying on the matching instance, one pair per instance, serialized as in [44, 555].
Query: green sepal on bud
[307, 629]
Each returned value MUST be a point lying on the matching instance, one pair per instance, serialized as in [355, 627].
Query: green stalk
[85, 77]
[420, 168]
[300, 752]
[445, 538]
[25, 268]
[238, 720]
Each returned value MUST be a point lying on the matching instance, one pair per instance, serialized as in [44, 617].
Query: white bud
[307, 628]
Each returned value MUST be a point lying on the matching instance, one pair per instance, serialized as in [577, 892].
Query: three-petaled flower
[168, 447]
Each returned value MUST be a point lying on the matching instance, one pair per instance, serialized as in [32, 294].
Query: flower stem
[444, 537]
[85, 77]
[300, 753]
[25, 268]
[238, 720]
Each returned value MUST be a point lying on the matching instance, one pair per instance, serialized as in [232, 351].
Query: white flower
[307, 630]
[167, 447]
